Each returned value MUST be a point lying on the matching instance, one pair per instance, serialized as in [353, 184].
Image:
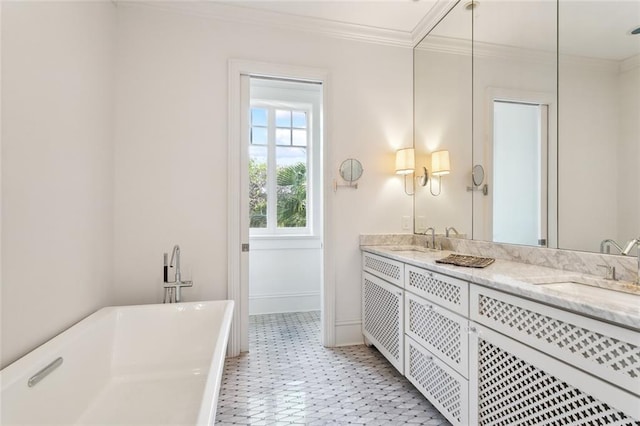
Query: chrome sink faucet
[605, 246]
[627, 249]
[449, 229]
[433, 237]
[172, 289]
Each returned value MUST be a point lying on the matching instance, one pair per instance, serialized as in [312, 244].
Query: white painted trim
[275, 303]
[630, 63]
[284, 295]
[237, 289]
[349, 333]
[233, 207]
[438, 11]
[542, 98]
[254, 17]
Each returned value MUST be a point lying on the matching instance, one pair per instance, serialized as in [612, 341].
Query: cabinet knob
[473, 329]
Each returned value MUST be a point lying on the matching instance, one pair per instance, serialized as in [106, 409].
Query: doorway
[520, 145]
[309, 229]
[285, 206]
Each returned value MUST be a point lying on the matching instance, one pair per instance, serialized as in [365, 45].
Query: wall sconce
[406, 164]
[440, 166]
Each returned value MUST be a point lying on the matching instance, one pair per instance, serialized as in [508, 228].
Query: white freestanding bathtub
[133, 365]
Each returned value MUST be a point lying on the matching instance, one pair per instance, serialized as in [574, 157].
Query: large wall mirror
[544, 96]
[442, 117]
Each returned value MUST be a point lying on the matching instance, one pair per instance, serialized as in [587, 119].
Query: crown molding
[262, 18]
[630, 63]
[437, 12]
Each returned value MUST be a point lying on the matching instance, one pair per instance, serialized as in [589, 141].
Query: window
[281, 163]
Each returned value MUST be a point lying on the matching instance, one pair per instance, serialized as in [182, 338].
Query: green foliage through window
[291, 193]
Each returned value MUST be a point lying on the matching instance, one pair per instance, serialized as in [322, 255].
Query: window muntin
[279, 161]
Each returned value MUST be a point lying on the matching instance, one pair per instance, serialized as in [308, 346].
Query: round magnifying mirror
[477, 175]
[351, 170]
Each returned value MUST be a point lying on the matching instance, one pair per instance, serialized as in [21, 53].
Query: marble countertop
[538, 283]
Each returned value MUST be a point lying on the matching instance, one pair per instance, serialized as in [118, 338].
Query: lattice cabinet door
[382, 267]
[447, 390]
[446, 291]
[439, 330]
[513, 384]
[605, 350]
[383, 318]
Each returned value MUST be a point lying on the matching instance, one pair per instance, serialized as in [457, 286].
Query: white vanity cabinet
[437, 341]
[484, 356]
[534, 364]
[383, 307]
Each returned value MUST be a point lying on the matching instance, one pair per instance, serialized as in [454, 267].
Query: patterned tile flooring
[289, 378]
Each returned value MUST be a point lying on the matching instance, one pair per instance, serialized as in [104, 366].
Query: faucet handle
[610, 272]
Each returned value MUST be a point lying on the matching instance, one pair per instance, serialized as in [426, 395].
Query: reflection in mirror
[477, 175]
[514, 125]
[599, 116]
[442, 117]
[351, 170]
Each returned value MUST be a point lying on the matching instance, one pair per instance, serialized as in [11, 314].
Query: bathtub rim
[43, 354]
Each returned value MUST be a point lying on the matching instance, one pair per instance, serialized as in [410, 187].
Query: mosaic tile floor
[289, 378]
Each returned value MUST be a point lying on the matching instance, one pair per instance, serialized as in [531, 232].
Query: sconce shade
[405, 161]
[440, 163]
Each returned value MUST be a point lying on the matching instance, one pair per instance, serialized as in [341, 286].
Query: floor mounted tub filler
[147, 364]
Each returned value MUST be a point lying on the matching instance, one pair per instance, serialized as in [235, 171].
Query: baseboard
[349, 333]
[284, 302]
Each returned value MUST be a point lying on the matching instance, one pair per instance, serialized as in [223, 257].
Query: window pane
[299, 137]
[283, 137]
[258, 117]
[300, 119]
[283, 118]
[257, 186]
[291, 187]
[259, 135]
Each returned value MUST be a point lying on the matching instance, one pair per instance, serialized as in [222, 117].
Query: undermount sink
[619, 295]
[583, 282]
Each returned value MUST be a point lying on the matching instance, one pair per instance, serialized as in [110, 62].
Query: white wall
[588, 140]
[171, 146]
[57, 165]
[284, 279]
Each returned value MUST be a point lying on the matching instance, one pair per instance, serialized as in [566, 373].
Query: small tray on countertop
[468, 261]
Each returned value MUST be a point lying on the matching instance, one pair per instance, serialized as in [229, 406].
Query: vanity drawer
[447, 390]
[387, 269]
[439, 330]
[604, 350]
[446, 291]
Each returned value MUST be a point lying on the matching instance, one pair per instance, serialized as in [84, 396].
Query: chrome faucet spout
[449, 229]
[605, 246]
[433, 237]
[627, 249]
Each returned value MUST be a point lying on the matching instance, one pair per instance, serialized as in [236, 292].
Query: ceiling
[595, 29]
[588, 28]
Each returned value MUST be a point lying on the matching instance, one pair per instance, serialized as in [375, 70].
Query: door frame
[551, 201]
[237, 219]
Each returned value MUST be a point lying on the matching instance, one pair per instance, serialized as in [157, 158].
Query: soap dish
[468, 261]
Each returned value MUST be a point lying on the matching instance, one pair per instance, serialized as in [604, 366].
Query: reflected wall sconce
[440, 166]
[406, 165]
